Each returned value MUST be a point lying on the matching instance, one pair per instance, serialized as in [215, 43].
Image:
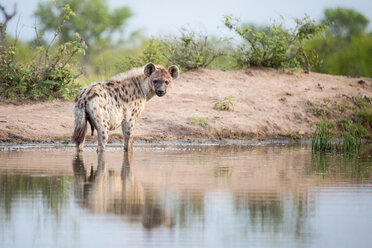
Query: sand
[268, 104]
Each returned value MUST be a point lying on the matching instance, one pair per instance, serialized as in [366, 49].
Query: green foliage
[92, 20]
[48, 75]
[189, 51]
[275, 46]
[225, 103]
[95, 23]
[365, 115]
[152, 53]
[352, 135]
[201, 121]
[320, 111]
[345, 22]
[342, 57]
[321, 139]
[346, 48]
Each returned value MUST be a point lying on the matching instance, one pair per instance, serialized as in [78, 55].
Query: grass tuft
[321, 139]
[201, 121]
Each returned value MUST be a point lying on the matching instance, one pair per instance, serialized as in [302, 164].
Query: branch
[56, 33]
[7, 15]
[39, 42]
[68, 60]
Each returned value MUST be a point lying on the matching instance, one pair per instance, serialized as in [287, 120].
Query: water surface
[185, 196]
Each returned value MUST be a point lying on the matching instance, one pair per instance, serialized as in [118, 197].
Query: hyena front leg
[127, 127]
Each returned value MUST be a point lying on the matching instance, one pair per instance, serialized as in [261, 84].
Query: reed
[321, 138]
[351, 134]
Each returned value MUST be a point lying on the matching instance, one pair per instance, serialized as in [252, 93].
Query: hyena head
[160, 78]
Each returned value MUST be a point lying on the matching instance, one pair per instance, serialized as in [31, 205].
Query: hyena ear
[173, 70]
[149, 69]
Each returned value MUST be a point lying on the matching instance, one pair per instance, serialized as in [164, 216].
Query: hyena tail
[80, 125]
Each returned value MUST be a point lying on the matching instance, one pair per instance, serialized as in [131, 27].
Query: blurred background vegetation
[90, 42]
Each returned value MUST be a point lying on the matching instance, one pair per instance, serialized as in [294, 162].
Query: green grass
[201, 121]
[351, 135]
[320, 112]
[321, 139]
[291, 134]
[365, 115]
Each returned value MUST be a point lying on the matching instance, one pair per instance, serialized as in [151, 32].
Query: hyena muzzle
[119, 101]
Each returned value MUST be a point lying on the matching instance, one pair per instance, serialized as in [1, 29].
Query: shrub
[343, 57]
[49, 75]
[275, 46]
[225, 103]
[190, 50]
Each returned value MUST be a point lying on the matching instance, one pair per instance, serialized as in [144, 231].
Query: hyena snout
[160, 89]
[160, 92]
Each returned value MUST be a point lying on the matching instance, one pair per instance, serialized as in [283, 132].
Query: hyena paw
[100, 149]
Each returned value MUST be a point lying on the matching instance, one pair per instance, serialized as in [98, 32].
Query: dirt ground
[268, 104]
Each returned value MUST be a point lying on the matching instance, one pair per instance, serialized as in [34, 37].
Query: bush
[225, 103]
[46, 77]
[275, 46]
[189, 51]
[342, 57]
[347, 46]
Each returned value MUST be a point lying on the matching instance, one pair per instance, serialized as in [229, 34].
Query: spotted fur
[119, 101]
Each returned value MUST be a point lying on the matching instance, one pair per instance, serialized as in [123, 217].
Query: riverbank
[268, 104]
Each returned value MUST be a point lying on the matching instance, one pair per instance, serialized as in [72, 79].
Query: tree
[346, 48]
[346, 22]
[7, 18]
[93, 20]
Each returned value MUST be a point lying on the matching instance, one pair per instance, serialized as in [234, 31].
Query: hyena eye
[155, 81]
[166, 82]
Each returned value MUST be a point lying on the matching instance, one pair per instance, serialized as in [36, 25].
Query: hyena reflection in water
[119, 101]
[107, 191]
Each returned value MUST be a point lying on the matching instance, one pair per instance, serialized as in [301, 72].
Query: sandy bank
[268, 104]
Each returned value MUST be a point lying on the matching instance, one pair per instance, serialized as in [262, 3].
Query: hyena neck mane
[138, 80]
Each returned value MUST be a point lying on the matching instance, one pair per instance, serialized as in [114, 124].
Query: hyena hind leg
[80, 130]
[96, 120]
[102, 139]
[103, 133]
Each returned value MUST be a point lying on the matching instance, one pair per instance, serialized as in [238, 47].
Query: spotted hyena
[119, 101]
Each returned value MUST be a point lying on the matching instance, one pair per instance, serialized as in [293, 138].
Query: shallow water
[185, 196]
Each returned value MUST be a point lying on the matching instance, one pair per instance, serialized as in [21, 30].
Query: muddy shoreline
[268, 105]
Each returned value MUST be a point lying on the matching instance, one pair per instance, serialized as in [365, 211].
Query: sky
[161, 17]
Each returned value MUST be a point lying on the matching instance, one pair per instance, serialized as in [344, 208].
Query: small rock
[361, 82]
